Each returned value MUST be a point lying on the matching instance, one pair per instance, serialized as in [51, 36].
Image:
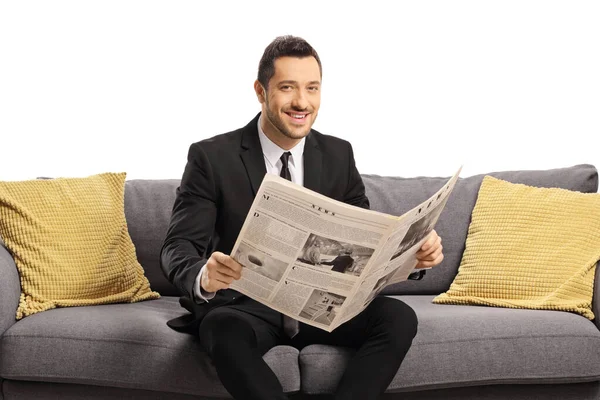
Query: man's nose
[300, 102]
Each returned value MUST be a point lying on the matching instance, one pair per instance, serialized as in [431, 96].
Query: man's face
[291, 102]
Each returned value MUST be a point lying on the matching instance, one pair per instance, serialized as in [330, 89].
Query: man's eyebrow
[291, 82]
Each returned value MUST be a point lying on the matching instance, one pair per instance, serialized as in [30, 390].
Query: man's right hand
[220, 270]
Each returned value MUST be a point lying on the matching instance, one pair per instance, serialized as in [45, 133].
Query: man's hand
[430, 254]
[220, 270]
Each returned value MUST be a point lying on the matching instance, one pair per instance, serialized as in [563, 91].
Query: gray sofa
[127, 351]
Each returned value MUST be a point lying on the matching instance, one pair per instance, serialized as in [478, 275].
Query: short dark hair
[283, 46]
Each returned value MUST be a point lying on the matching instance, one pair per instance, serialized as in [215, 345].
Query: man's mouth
[297, 117]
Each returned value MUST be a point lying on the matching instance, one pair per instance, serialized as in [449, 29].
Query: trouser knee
[398, 320]
[222, 330]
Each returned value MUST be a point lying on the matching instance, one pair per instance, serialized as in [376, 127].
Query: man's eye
[313, 89]
[286, 87]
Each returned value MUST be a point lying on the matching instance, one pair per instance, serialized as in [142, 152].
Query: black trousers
[237, 336]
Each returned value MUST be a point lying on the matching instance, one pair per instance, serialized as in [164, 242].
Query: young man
[218, 186]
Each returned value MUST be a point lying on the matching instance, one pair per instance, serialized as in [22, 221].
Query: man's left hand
[430, 254]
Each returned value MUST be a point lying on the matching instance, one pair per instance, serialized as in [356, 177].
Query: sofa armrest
[596, 298]
[10, 289]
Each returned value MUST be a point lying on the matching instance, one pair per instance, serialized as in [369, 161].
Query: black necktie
[290, 325]
[285, 170]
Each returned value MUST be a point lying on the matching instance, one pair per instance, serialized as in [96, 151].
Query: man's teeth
[298, 115]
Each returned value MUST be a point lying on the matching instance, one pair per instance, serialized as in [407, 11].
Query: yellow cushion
[529, 247]
[70, 242]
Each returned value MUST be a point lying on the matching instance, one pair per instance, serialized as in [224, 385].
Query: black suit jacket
[340, 263]
[220, 180]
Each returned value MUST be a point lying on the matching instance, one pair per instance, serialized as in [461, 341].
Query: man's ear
[261, 93]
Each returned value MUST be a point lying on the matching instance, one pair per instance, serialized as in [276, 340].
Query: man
[342, 262]
[218, 186]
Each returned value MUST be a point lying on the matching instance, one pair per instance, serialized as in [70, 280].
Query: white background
[418, 87]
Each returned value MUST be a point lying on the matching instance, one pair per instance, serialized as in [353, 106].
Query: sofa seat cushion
[476, 345]
[121, 345]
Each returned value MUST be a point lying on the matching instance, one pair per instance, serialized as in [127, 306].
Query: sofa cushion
[473, 345]
[70, 242]
[531, 248]
[121, 345]
[395, 195]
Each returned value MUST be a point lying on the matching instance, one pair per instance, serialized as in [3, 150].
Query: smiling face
[291, 101]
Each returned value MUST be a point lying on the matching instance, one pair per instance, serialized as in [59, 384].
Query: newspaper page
[397, 259]
[322, 261]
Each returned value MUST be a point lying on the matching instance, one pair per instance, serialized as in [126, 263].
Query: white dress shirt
[272, 154]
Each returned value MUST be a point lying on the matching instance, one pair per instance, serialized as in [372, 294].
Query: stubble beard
[276, 121]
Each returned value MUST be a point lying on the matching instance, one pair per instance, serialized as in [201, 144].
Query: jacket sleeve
[417, 275]
[355, 192]
[192, 223]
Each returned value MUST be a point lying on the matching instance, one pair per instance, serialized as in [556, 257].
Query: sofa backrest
[148, 206]
[397, 195]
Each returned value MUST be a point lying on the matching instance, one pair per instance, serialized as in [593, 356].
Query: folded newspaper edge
[322, 261]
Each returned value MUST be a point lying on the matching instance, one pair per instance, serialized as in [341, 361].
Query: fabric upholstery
[19, 390]
[10, 290]
[121, 345]
[148, 206]
[70, 242]
[529, 247]
[596, 299]
[23, 390]
[9, 294]
[578, 391]
[396, 195]
[471, 345]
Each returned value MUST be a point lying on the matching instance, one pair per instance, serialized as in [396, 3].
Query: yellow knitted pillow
[70, 242]
[529, 247]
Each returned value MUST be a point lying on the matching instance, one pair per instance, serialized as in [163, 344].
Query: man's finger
[227, 271]
[431, 239]
[223, 278]
[436, 251]
[434, 256]
[210, 284]
[429, 248]
[228, 261]
[430, 264]
[213, 264]
[214, 280]
[219, 257]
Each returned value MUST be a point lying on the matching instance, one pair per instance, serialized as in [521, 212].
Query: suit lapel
[252, 155]
[313, 163]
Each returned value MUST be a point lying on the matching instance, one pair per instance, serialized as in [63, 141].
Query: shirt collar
[273, 152]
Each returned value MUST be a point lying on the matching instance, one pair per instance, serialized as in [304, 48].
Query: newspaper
[322, 261]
